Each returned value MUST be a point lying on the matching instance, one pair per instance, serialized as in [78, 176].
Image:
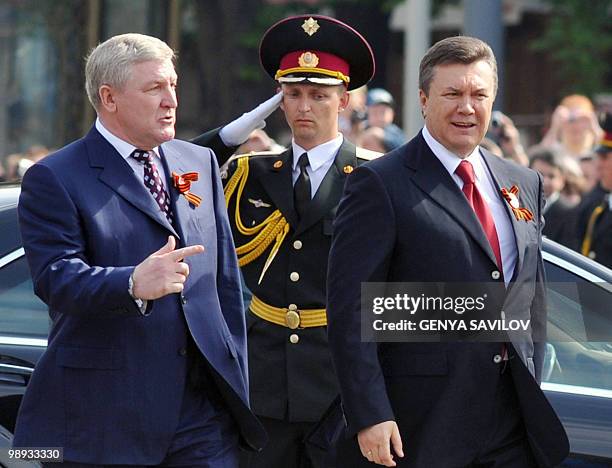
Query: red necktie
[153, 182]
[465, 170]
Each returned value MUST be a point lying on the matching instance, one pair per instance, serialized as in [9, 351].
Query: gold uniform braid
[274, 228]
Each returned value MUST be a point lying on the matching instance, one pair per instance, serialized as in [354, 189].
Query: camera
[496, 120]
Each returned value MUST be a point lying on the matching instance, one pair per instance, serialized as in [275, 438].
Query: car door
[24, 326]
[578, 365]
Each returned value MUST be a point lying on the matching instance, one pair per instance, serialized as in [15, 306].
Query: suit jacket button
[495, 275]
[183, 352]
[183, 300]
[297, 245]
[294, 276]
[497, 359]
[293, 338]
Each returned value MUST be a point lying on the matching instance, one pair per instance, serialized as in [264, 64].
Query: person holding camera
[507, 136]
[574, 127]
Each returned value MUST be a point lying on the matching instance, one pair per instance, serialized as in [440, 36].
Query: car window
[22, 314]
[10, 239]
[579, 352]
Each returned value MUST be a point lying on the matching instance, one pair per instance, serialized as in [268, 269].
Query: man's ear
[423, 101]
[282, 103]
[344, 100]
[107, 98]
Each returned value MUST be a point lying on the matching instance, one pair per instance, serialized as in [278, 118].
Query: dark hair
[549, 156]
[457, 49]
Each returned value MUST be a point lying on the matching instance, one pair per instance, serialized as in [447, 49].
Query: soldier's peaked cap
[605, 145]
[316, 49]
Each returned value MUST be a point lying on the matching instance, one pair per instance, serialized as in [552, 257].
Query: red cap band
[314, 61]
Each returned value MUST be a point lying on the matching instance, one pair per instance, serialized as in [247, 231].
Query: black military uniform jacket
[288, 379]
[601, 236]
[556, 218]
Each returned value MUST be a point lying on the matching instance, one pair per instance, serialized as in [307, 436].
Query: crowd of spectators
[572, 160]
[13, 166]
[568, 157]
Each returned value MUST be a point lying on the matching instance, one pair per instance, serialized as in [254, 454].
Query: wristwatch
[139, 302]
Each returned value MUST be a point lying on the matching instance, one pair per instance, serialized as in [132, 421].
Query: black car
[578, 365]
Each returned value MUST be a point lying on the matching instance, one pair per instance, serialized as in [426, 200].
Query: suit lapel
[277, 182]
[118, 175]
[501, 179]
[433, 179]
[172, 163]
[329, 192]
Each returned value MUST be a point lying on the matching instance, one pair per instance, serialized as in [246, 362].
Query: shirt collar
[318, 155]
[450, 160]
[124, 148]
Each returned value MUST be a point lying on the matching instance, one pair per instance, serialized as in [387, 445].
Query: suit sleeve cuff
[142, 305]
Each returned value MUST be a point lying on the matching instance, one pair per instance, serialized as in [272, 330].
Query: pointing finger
[179, 254]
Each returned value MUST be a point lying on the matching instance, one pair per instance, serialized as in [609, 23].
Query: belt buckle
[292, 319]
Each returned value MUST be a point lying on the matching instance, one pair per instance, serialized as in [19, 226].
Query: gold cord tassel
[272, 229]
[588, 236]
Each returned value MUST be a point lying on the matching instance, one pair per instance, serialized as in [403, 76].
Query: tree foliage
[578, 40]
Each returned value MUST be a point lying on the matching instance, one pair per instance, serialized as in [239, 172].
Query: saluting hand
[163, 272]
[375, 446]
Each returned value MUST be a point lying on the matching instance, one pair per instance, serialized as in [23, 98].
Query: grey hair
[452, 50]
[110, 62]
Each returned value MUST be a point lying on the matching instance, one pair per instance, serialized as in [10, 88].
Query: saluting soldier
[595, 212]
[282, 208]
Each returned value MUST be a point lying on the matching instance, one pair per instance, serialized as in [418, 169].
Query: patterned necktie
[153, 182]
[301, 190]
[465, 170]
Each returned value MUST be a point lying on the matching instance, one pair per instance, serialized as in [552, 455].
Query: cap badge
[310, 26]
[308, 60]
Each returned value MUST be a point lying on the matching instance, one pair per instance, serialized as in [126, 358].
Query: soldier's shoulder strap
[224, 169]
[366, 154]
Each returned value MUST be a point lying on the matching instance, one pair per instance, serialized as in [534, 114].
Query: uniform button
[592, 255]
[183, 352]
[294, 338]
[297, 245]
[495, 275]
[497, 359]
[295, 276]
[292, 307]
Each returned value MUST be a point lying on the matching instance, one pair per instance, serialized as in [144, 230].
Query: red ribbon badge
[183, 184]
[511, 196]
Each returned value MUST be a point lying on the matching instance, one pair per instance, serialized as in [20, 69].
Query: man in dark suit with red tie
[442, 210]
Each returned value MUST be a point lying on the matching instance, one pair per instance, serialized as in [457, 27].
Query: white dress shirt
[126, 149]
[320, 158]
[486, 186]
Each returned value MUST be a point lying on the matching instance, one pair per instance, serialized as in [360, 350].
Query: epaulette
[366, 154]
[252, 154]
